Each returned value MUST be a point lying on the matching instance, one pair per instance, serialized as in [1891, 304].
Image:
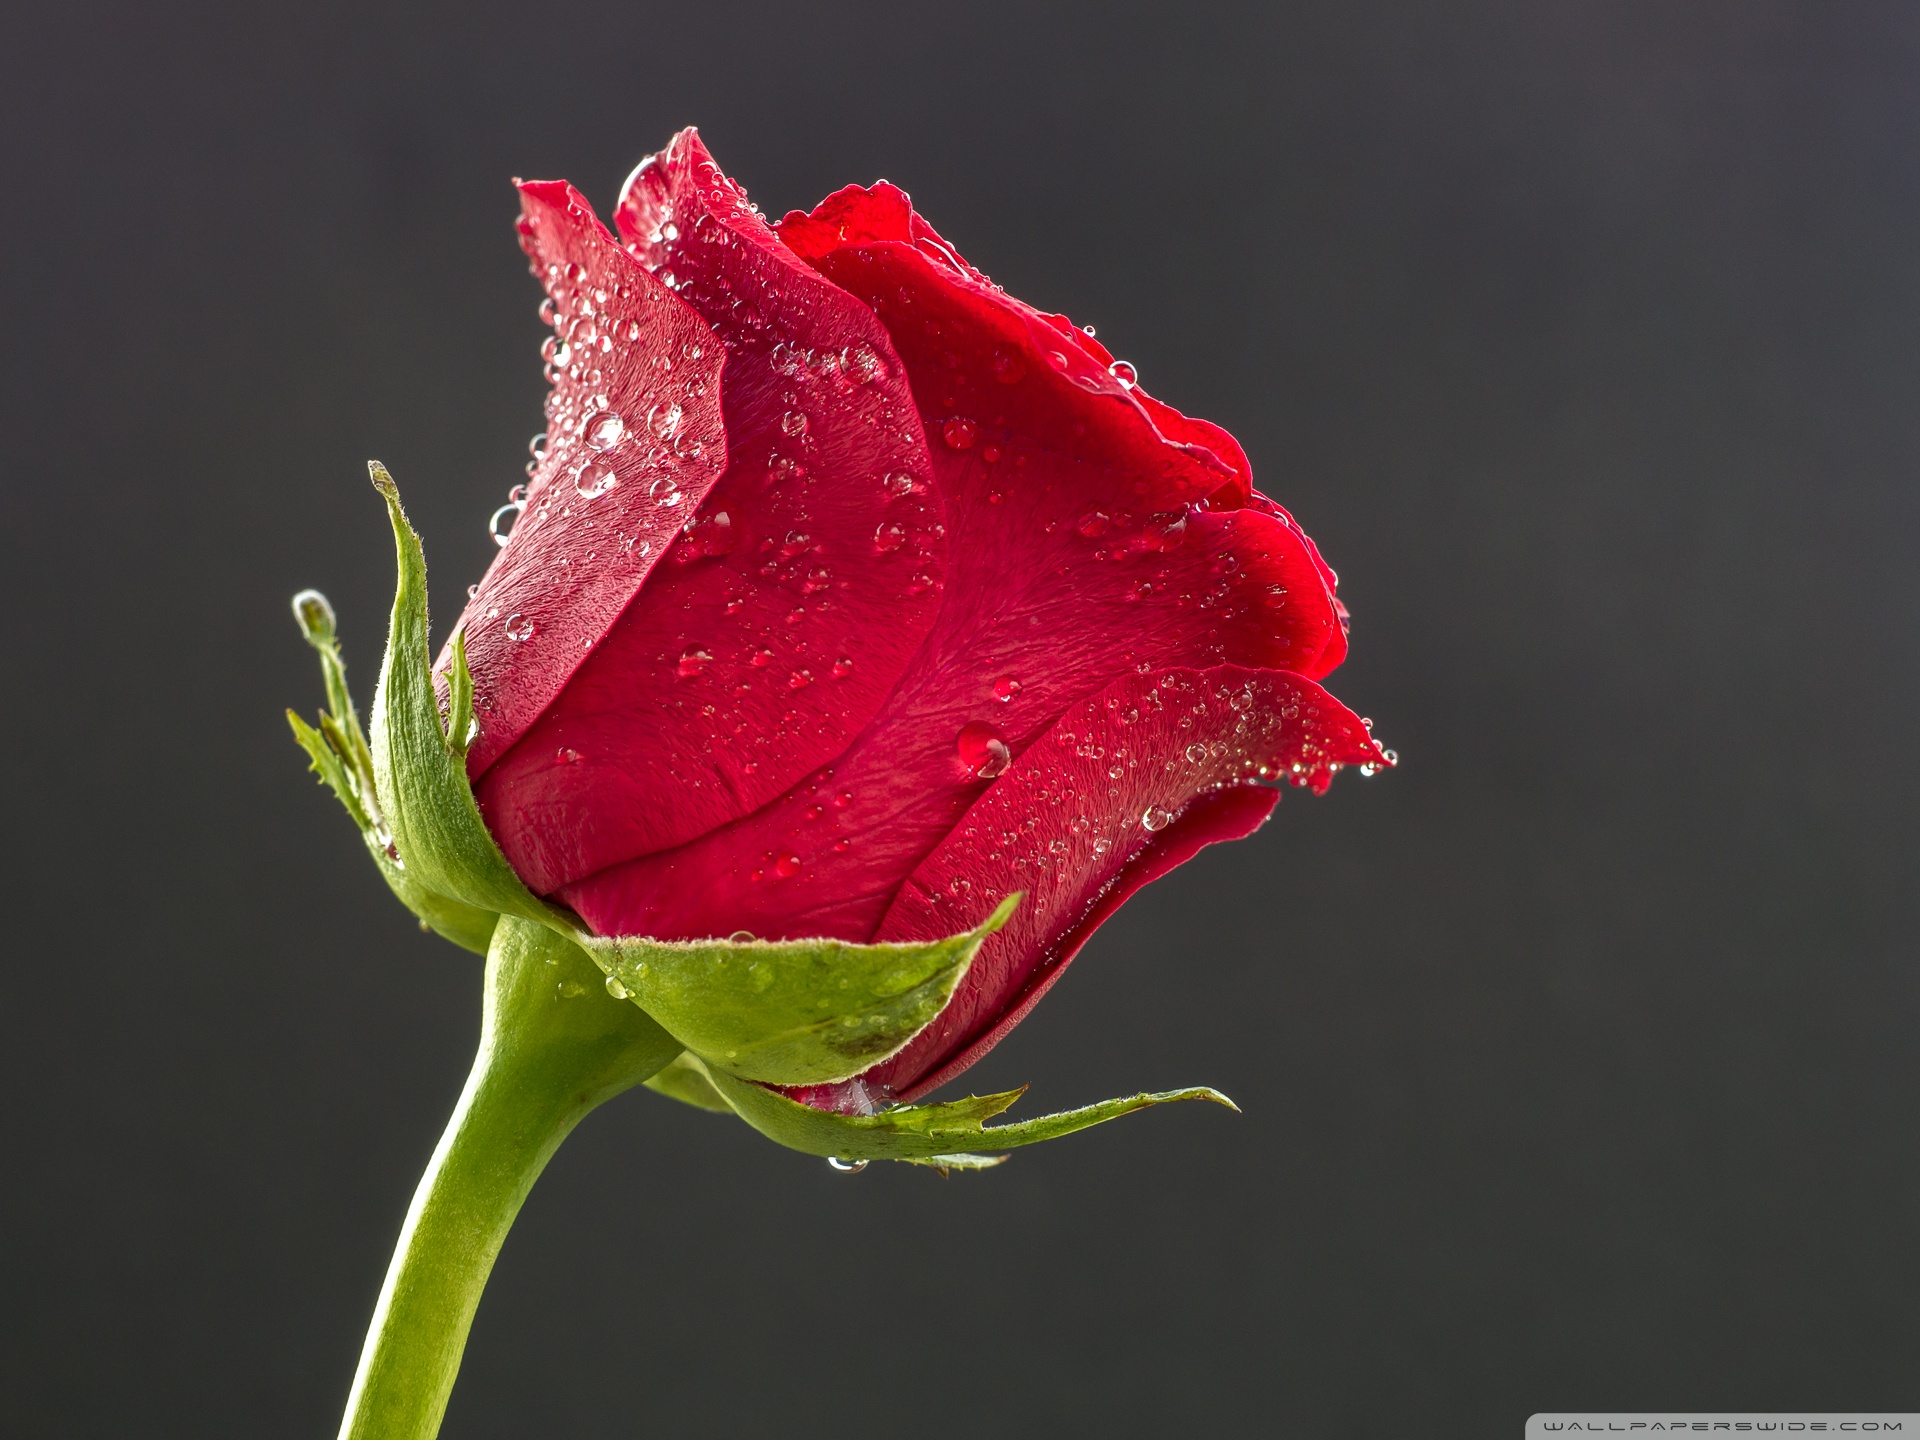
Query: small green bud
[314, 615]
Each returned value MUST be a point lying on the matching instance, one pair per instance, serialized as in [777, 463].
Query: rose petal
[574, 562]
[1062, 825]
[797, 596]
[1074, 558]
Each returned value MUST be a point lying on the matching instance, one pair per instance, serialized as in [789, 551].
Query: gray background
[1577, 1056]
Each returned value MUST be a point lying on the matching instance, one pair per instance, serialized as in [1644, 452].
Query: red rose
[852, 594]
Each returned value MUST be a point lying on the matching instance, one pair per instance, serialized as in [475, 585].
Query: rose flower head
[848, 600]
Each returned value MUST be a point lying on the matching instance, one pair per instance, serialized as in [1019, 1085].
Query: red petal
[1075, 558]
[789, 609]
[1129, 784]
[574, 562]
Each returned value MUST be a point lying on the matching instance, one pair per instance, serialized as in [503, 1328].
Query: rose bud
[861, 628]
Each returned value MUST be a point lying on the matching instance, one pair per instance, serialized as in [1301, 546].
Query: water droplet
[843, 799]
[1005, 687]
[842, 668]
[787, 866]
[566, 755]
[846, 1167]
[982, 750]
[960, 433]
[518, 627]
[741, 937]
[707, 535]
[1124, 372]
[606, 430]
[616, 989]
[508, 514]
[1196, 753]
[1156, 818]
[1009, 366]
[537, 446]
[1164, 531]
[889, 537]
[569, 990]
[794, 422]
[900, 483]
[799, 679]
[761, 658]
[595, 478]
[1094, 522]
[664, 419]
[694, 659]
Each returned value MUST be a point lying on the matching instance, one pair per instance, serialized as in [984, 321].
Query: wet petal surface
[792, 597]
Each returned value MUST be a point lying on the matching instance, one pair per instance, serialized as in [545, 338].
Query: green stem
[553, 1045]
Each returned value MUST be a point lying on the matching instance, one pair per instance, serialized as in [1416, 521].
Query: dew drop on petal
[960, 433]
[1156, 818]
[889, 537]
[794, 422]
[1009, 366]
[606, 430]
[694, 659]
[1005, 687]
[518, 627]
[664, 419]
[787, 866]
[595, 479]
[616, 989]
[982, 750]
[1125, 373]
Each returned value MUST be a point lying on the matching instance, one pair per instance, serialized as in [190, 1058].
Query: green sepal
[344, 762]
[419, 772]
[685, 1081]
[930, 1133]
[945, 1164]
[792, 1012]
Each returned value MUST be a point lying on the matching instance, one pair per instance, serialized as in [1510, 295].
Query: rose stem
[553, 1045]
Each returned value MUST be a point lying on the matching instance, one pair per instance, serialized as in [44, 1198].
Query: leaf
[342, 759]
[929, 1133]
[793, 1012]
[683, 1080]
[439, 838]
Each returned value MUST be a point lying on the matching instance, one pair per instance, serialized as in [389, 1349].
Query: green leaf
[439, 839]
[947, 1163]
[929, 1133]
[342, 759]
[685, 1081]
[793, 1012]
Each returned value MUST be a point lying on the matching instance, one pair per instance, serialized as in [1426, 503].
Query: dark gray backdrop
[1577, 1056]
